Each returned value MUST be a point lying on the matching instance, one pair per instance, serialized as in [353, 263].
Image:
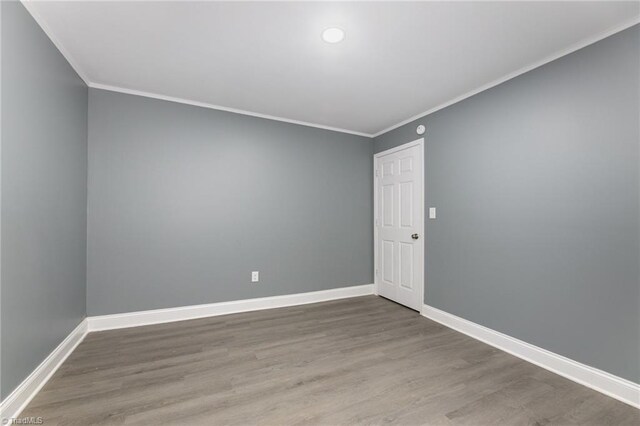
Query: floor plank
[363, 360]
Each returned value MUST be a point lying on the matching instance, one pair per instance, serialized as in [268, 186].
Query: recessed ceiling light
[333, 35]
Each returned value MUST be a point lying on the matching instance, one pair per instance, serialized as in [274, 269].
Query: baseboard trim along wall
[17, 400]
[601, 381]
[158, 316]
[13, 405]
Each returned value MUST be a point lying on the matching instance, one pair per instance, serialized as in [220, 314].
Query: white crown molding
[74, 64]
[159, 316]
[222, 108]
[577, 46]
[12, 405]
[601, 381]
[65, 53]
[28, 4]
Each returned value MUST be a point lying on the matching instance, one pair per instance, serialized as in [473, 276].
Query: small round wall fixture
[333, 35]
[421, 129]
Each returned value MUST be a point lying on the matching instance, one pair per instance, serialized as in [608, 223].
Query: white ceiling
[398, 60]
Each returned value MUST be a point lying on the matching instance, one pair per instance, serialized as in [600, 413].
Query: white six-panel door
[399, 223]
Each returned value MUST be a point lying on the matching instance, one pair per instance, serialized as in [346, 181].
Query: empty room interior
[320, 213]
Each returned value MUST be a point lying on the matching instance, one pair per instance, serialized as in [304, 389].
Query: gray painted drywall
[537, 188]
[184, 202]
[44, 204]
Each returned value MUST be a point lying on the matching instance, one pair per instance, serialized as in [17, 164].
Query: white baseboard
[601, 381]
[158, 316]
[12, 405]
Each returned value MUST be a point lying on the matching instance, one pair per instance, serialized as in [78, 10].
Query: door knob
[415, 236]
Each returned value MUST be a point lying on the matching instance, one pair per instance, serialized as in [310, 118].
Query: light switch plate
[255, 276]
[432, 212]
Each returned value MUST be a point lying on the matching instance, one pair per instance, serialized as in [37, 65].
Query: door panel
[399, 215]
[387, 205]
[406, 164]
[406, 204]
[387, 168]
[406, 265]
[387, 262]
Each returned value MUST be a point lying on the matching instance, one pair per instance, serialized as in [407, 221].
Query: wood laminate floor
[354, 361]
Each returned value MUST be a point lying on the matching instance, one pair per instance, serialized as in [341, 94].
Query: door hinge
[377, 173]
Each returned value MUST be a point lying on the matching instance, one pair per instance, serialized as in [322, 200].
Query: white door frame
[423, 236]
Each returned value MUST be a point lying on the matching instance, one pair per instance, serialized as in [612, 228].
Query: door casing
[423, 236]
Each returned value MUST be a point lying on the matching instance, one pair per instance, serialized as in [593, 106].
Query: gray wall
[536, 186]
[44, 204]
[184, 202]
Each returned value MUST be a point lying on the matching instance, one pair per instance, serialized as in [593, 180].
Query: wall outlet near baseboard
[255, 276]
